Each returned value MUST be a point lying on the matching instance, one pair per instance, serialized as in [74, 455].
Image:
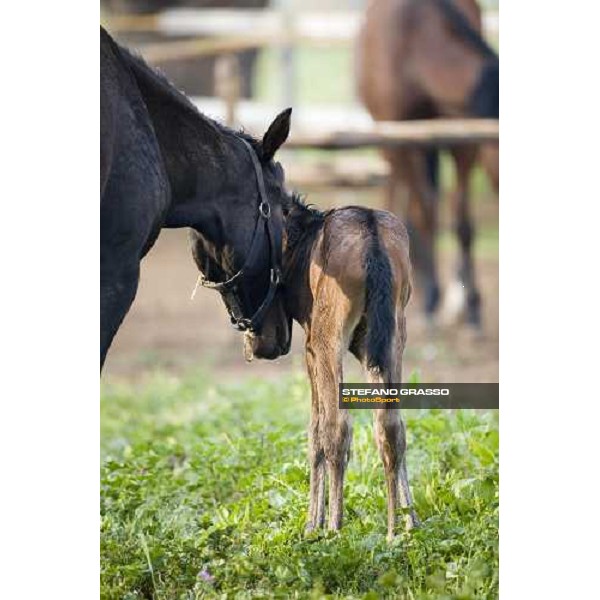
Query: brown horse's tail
[379, 303]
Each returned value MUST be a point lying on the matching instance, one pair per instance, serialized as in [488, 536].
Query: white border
[549, 300]
[549, 232]
[49, 248]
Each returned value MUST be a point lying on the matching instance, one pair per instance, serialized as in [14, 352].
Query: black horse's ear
[276, 135]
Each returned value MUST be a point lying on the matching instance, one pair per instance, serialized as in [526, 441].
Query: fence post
[228, 84]
[288, 65]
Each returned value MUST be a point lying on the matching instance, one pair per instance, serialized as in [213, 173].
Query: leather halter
[229, 288]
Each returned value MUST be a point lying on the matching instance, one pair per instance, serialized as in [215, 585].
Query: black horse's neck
[202, 158]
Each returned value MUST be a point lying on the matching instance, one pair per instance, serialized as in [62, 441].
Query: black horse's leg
[468, 298]
[117, 292]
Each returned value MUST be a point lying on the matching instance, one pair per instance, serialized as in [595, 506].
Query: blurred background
[242, 62]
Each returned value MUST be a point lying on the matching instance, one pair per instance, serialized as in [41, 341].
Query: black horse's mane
[153, 78]
[463, 29]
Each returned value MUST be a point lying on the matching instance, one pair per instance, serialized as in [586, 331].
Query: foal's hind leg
[316, 510]
[337, 453]
[391, 446]
[390, 437]
[326, 342]
[406, 501]
[336, 432]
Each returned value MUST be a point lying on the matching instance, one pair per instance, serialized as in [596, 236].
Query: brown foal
[347, 282]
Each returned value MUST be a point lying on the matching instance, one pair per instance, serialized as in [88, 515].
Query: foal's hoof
[412, 522]
[310, 528]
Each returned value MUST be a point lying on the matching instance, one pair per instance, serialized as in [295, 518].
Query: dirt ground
[165, 330]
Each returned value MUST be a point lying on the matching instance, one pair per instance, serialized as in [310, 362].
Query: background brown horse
[420, 59]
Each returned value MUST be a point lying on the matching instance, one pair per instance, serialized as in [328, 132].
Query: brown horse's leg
[316, 510]
[464, 159]
[489, 156]
[396, 192]
[422, 224]
[337, 433]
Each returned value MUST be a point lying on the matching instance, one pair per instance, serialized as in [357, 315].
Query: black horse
[164, 164]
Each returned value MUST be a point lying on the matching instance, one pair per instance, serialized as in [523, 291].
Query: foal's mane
[302, 220]
[302, 224]
[463, 29]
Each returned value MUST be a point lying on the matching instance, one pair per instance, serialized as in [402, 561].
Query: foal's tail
[379, 301]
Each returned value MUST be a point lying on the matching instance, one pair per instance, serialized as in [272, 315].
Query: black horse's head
[239, 249]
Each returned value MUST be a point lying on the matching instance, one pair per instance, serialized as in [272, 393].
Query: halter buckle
[264, 208]
[242, 324]
[275, 276]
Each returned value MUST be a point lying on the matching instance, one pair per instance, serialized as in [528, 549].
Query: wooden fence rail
[227, 29]
[434, 132]
[184, 49]
[326, 126]
[330, 24]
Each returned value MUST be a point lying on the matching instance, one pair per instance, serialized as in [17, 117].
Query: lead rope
[198, 283]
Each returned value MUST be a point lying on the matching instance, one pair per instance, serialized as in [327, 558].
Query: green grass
[205, 486]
